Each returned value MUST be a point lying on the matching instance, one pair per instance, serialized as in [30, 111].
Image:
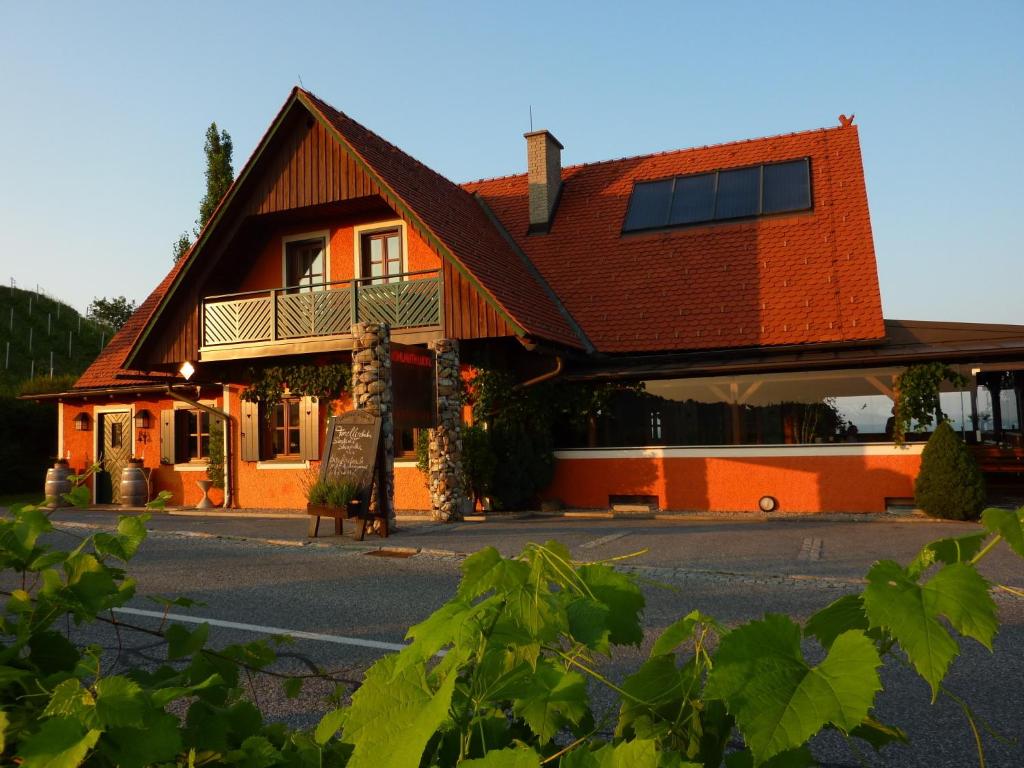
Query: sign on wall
[412, 382]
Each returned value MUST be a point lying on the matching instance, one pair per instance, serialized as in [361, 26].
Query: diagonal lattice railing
[330, 310]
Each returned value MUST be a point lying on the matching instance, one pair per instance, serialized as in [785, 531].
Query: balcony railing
[410, 300]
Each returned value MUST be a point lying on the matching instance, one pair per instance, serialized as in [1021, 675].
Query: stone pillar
[446, 491]
[371, 391]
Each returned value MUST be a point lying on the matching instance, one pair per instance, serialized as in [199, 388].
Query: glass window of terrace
[772, 409]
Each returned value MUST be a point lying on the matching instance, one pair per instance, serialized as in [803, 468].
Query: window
[197, 435]
[304, 265]
[381, 254]
[116, 435]
[285, 429]
[731, 194]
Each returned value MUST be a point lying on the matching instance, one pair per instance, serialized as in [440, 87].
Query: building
[737, 282]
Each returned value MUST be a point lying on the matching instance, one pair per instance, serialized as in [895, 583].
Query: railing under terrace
[409, 300]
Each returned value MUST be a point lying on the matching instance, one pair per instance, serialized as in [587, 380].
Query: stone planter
[204, 486]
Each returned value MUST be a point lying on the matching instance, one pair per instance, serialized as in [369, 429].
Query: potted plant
[335, 496]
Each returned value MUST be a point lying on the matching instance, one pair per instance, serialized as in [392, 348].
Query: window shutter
[250, 429]
[167, 441]
[309, 428]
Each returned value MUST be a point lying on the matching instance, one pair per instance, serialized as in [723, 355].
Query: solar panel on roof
[735, 193]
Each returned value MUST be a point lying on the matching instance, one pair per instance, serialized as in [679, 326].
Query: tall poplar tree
[219, 175]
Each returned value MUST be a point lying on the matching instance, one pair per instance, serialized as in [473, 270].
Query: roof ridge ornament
[845, 121]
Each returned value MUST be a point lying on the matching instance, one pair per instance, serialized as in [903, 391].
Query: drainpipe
[553, 373]
[227, 434]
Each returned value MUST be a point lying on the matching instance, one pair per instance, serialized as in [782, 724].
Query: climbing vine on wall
[324, 382]
[917, 399]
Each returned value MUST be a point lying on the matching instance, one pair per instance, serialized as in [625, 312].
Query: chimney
[544, 172]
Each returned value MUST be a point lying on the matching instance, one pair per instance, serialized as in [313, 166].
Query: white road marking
[810, 549]
[296, 633]
[604, 540]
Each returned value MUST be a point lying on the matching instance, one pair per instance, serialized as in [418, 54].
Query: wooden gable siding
[466, 314]
[308, 167]
[177, 339]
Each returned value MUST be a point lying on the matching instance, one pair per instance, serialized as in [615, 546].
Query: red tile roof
[106, 370]
[790, 279]
[793, 279]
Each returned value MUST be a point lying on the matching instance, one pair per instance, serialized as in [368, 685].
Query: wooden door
[115, 448]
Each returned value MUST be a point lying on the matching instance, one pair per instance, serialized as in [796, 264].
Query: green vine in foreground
[500, 676]
[917, 396]
[268, 386]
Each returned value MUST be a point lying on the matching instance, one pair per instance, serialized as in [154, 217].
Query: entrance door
[115, 448]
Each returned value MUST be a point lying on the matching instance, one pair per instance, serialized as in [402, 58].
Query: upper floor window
[305, 264]
[381, 254]
[720, 195]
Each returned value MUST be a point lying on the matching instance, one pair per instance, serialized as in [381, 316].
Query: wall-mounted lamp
[142, 419]
[186, 370]
[82, 422]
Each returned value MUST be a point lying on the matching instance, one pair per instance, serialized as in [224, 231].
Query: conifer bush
[949, 484]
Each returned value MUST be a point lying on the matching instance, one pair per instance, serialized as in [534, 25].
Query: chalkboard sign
[350, 450]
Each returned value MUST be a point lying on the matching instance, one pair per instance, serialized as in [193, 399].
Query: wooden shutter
[167, 440]
[250, 428]
[309, 428]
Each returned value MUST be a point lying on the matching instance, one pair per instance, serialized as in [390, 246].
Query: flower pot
[204, 486]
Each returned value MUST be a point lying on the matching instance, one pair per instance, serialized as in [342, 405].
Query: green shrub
[478, 461]
[525, 462]
[949, 484]
[334, 492]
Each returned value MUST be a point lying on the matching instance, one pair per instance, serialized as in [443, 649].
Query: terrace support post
[447, 495]
[372, 392]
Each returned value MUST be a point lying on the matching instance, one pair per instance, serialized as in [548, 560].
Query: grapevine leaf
[897, 603]
[1008, 524]
[830, 622]
[487, 570]
[4, 723]
[654, 698]
[433, 633]
[255, 752]
[791, 758]
[777, 699]
[329, 725]
[958, 549]
[52, 652]
[164, 696]
[637, 753]
[182, 643]
[558, 698]
[119, 702]
[60, 743]
[588, 623]
[412, 711]
[961, 594]
[292, 687]
[681, 631]
[623, 598]
[878, 734]
[78, 496]
[520, 757]
[158, 742]
[70, 699]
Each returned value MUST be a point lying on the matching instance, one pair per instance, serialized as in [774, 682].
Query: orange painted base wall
[799, 483]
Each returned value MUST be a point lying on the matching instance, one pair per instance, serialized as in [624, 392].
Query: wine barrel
[134, 487]
[58, 483]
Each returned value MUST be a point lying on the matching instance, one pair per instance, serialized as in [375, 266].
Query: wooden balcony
[293, 320]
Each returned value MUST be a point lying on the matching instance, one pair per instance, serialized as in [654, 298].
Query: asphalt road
[734, 570]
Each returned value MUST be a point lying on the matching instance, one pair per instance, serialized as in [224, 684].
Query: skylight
[737, 193]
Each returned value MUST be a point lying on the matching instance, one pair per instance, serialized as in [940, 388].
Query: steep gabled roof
[446, 215]
[804, 278]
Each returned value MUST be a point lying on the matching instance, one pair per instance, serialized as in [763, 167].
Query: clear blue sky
[105, 106]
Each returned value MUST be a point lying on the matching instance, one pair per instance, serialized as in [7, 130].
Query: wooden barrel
[134, 488]
[57, 484]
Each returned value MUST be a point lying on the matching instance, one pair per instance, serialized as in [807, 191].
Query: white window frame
[364, 229]
[199, 465]
[323, 234]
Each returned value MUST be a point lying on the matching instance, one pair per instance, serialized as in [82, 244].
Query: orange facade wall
[800, 483]
[267, 270]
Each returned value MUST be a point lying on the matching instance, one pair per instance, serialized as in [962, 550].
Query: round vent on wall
[768, 504]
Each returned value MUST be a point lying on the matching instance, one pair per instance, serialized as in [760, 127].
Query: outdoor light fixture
[186, 370]
[142, 419]
[82, 422]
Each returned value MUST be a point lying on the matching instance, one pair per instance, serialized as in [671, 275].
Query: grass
[51, 323]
